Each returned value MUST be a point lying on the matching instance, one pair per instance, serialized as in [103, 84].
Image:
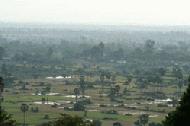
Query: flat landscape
[99, 76]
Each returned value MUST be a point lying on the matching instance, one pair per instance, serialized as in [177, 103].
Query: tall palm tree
[102, 83]
[82, 84]
[1, 89]
[24, 108]
[180, 85]
[76, 92]
[117, 89]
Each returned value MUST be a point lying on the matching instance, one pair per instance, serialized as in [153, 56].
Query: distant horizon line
[95, 27]
[94, 24]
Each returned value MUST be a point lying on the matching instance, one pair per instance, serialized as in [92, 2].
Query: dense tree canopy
[180, 117]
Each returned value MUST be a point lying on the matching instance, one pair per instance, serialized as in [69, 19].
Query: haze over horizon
[101, 12]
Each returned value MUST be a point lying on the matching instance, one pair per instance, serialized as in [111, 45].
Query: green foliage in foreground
[68, 120]
[6, 119]
[180, 117]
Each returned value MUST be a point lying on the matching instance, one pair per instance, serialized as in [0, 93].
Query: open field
[133, 103]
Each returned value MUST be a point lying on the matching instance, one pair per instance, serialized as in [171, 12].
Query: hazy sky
[148, 12]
